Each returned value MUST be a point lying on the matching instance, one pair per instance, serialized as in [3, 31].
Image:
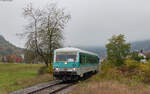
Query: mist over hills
[135, 46]
[7, 48]
[101, 51]
[141, 45]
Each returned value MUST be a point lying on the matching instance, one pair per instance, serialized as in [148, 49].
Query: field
[18, 76]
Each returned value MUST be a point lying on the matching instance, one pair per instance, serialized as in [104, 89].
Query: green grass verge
[18, 76]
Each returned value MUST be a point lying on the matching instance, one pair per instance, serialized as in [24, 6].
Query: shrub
[50, 68]
[131, 65]
[131, 72]
[43, 70]
[144, 67]
[135, 56]
[105, 66]
[109, 71]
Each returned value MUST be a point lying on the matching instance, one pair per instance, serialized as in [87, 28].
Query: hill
[7, 48]
[101, 51]
[141, 45]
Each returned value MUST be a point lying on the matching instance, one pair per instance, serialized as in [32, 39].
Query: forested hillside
[8, 48]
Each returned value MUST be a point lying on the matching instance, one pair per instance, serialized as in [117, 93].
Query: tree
[117, 50]
[135, 56]
[31, 57]
[45, 30]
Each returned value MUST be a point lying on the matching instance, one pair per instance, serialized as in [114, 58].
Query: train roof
[71, 49]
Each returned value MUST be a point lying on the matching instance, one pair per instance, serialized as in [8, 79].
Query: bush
[131, 65]
[43, 70]
[132, 72]
[109, 71]
[46, 69]
[135, 56]
[105, 66]
[144, 67]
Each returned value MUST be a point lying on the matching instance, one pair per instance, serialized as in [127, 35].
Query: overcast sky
[93, 21]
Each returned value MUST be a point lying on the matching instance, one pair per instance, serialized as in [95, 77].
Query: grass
[109, 87]
[18, 76]
[96, 85]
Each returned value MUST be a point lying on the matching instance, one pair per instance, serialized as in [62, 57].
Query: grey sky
[92, 23]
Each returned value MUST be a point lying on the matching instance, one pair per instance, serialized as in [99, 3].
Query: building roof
[71, 49]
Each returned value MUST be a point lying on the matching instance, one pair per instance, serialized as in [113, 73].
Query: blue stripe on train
[71, 65]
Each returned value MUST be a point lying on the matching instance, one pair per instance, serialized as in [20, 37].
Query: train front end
[66, 64]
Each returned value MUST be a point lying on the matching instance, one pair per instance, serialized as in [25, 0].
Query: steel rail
[36, 88]
[61, 88]
[53, 89]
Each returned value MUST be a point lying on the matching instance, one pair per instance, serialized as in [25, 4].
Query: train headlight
[57, 69]
[74, 69]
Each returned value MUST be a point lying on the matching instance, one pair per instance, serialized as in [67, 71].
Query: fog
[93, 22]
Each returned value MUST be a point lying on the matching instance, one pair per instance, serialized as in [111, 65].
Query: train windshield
[66, 56]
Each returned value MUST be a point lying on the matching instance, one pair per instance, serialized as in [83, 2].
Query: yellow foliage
[130, 63]
[50, 68]
[145, 67]
[149, 61]
[131, 72]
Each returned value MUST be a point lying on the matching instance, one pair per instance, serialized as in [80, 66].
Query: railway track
[54, 87]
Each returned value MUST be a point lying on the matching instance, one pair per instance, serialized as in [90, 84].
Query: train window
[85, 59]
[91, 60]
[88, 59]
[65, 57]
[82, 59]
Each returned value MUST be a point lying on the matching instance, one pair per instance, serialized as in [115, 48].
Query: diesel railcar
[73, 63]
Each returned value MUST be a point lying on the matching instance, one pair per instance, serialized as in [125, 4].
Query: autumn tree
[45, 30]
[117, 50]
